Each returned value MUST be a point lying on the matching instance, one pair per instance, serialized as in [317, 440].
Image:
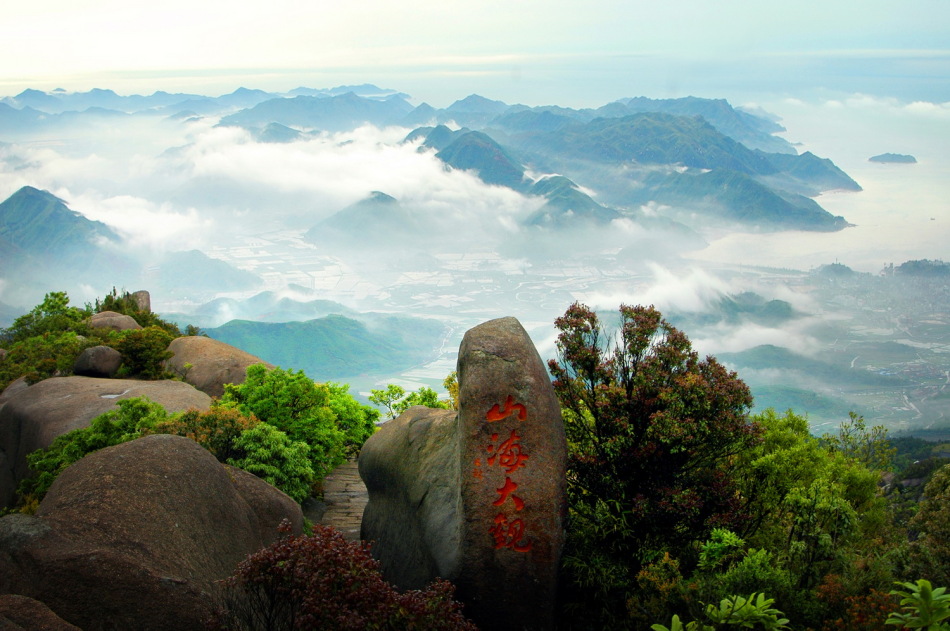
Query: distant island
[898, 158]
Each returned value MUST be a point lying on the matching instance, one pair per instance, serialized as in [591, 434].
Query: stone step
[345, 498]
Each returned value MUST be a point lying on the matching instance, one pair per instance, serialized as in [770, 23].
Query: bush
[323, 582]
[144, 352]
[217, 430]
[294, 404]
[272, 456]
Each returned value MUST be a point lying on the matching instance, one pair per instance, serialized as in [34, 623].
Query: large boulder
[136, 535]
[20, 612]
[113, 321]
[143, 300]
[411, 469]
[98, 361]
[208, 364]
[496, 474]
[33, 417]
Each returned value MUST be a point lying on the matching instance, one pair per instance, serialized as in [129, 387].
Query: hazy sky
[531, 51]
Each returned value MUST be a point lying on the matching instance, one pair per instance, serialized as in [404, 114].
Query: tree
[869, 446]
[424, 396]
[930, 552]
[53, 315]
[652, 434]
[387, 398]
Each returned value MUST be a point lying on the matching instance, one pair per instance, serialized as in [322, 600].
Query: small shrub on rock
[144, 352]
[323, 582]
[217, 430]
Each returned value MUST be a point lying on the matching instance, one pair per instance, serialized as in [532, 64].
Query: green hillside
[40, 223]
[336, 347]
[476, 151]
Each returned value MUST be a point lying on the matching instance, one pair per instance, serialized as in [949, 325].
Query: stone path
[344, 495]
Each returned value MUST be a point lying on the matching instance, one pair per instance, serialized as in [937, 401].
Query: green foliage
[395, 400]
[754, 612]
[53, 315]
[924, 607]
[869, 446]
[722, 547]
[217, 429]
[387, 398]
[652, 435]
[44, 342]
[144, 352]
[131, 419]
[321, 582]
[451, 385]
[930, 552]
[424, 396]
[357, 421]
[302, 409]
[272, 456]
[42, 356]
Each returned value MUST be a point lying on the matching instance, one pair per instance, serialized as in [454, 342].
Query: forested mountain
[40, 224]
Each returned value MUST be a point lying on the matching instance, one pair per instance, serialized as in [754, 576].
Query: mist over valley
[356, 235]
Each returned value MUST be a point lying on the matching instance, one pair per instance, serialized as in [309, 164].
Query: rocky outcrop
[143, 300]
[113, 321]
[410, 468]
[34, 416]
[20, 612]
[476, 497]
[208, 364]
[98, 361]
[134, 536]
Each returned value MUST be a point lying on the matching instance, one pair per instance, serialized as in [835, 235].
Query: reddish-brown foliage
[321, 581]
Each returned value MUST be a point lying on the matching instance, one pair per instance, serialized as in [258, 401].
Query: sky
[529, 51]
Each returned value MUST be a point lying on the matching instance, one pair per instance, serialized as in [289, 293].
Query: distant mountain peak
[479, 104]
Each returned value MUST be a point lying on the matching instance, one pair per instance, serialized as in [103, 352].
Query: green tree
[451, 385]
[867, 445]
[930, 551]
[53, 315]
[652, 432]
[387, 398]
[357, 421]
[424, 396]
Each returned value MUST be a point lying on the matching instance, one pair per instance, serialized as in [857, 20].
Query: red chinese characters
[509, 455]
[498, 414]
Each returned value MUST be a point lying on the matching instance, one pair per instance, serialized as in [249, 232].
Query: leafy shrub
[294, 404]
[41, 357]
[131, 419]
[323, 582]
[272, 456]
[217, 430]
[754, 612]
[930, 553]
[357, 421]
[53, 315]
[144, 352]
[925, 607]
[864, 612]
